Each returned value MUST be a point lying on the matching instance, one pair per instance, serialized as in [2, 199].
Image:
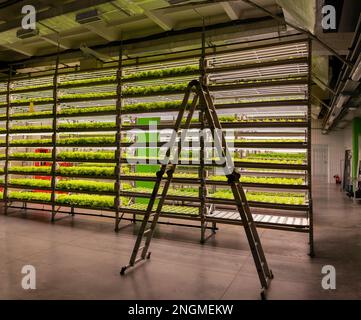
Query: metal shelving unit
[298, 88]
[265, 86]
[54, 142]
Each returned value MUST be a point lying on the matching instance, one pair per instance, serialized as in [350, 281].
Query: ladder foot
[122, 271]
[271, 276]
[263, 295]
[116, 229]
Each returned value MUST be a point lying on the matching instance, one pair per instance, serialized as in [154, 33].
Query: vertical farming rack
[69, 134]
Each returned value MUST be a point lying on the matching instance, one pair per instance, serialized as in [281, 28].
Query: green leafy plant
[263, 180]
[67, 155]
[93, 201]
[30, 128]
[30, 169]
[96, 164]
[268, 197]
[73, 111]
[90, 171]
[79, 185]
[87, 171]
[277, 155]
[132, 91]
[83, 155]
[31, 155]
[35, 142]
[163, 73]
[38, 86]
[128, 92]
[88, 125]
[85, 185]
[268, 140]
[270, 161]
[87, 141]
[32, 182]
[29, 196]
[168, 72]
[184, 210]
[85, 200]
[28, 114]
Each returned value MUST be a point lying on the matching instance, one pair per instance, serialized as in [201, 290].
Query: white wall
[348, 136]
[337, 142]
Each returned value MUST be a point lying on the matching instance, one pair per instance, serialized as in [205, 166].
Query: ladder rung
[143, 241]
[138, 260]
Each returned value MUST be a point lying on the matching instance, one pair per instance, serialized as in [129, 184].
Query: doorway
[320, 163]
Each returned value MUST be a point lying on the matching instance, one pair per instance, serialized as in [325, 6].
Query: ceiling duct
[26, 33]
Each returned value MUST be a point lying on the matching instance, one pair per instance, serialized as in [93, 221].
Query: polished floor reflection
[81, 258]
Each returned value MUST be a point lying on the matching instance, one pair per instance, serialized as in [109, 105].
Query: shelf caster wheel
[122, 271]
[148, 255]
[311, 254]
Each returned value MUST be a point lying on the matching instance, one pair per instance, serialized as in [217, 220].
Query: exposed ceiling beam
[187, 41]
[53, 37]
[136, 9]
[96, 54]
[18, 48]
[129, 6]
[163, 22]
[216, 32]
[52, 40]
[101, 29]
[311, 35]
[53, 12]
[184, 7]
[340, 43]
[232, 11]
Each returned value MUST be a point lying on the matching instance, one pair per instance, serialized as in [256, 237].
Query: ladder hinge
[170, 173]
[160, 173]
[233, 177]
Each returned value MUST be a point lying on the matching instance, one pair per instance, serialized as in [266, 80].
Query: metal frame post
[7, 142]
[309, 149]
[202, 190]
[118, 138]
[54, 140]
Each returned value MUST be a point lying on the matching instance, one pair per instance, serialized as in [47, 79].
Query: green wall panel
[356, 131]
[145, 152]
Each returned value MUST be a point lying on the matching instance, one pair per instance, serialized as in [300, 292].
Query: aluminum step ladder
[141, 248]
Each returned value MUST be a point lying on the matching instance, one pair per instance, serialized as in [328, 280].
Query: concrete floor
[81, 258]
